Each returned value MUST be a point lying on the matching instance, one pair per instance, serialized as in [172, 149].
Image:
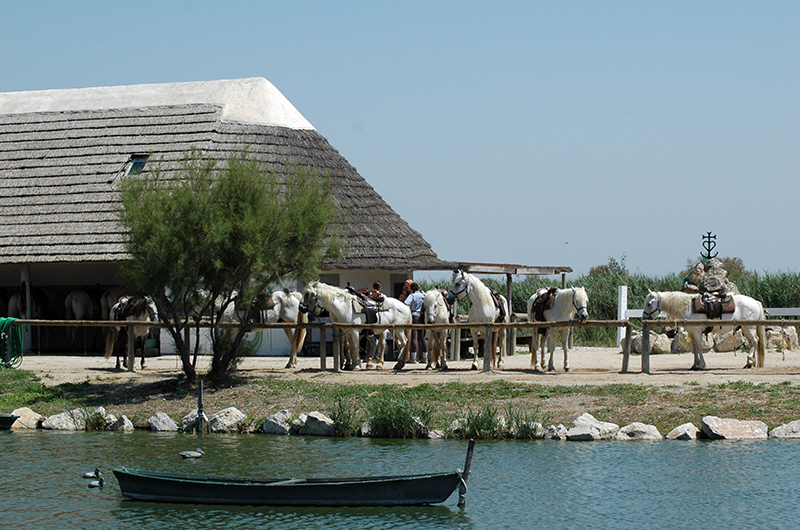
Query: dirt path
[591, 366]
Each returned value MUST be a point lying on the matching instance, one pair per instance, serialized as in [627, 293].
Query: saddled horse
[487, 307]
[555, 305]
[437, 311]
[79, 305]
[678, 305]
[107, 300]
[127, 308]
[285, 307]
[345, 307]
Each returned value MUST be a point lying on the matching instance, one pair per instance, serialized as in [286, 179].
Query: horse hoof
[474, 367]
[567, 369]
[399, 366]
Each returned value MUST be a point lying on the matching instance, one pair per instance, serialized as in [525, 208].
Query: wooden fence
[488, 330]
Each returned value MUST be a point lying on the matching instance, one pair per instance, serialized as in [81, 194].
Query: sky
[533, 133]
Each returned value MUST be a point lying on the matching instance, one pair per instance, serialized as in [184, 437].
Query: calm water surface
[725, 484]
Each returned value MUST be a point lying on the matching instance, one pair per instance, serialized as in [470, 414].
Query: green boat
[398, 490]
[6, 421]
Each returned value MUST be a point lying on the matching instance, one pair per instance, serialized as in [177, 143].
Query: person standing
[419, 342]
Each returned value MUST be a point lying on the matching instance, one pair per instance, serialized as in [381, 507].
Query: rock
[639, 431]
[436, 434]
[298, 423]
[318, 424]
[161, 422]
[421, 429]
[787, 430]
[554, 432]
[366, 430]
[108, 421]
[730, 429]
[191, 421]
[226, 420]
[687, 431]
[533, 430]
[659, 343]
[730, 341]
[782, 338]
[27, 419]
[278, 423]
[122, 424]
[587, 428]
[456, 426]
[709, 276]
[74, 420]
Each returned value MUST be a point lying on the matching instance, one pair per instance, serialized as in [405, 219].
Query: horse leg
[292, 351]
[697, 349]
[565, 335]
[551, 347]
[536, 343]
[476, 348]
[752, 344]
[499, 338]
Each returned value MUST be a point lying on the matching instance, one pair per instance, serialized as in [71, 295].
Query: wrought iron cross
[709, 242]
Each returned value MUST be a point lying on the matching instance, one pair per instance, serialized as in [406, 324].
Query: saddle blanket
[712, 305]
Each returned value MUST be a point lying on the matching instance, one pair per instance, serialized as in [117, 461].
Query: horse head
[580, 301]
[652, 306]
[310, 301]
[460, 286]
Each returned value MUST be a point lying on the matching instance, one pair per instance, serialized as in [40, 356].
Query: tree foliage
[211, 236]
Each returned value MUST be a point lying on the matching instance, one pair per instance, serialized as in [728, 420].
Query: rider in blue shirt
[419, 342]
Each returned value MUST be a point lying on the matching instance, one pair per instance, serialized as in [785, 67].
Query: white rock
[74, 420]
[731, 429]
[27, 419]
[787, 430]
[318, 424]
[278, 423]
[587, 428]
[122, 424]
[555, 432]
[161, 422]
[639, 431]
[687, 431]
[190, 422]
[226, 420]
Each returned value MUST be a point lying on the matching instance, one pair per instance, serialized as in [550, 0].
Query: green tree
[210, 236]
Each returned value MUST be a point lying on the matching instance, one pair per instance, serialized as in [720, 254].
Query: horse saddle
[545, 298]
[498, 303]
[124, 307]
[713, 304]
[367, 305]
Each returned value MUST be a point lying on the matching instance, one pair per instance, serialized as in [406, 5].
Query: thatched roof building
[63, 152]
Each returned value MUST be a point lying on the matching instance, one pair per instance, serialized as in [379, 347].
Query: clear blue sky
[538, 133]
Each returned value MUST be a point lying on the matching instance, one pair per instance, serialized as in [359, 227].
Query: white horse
[285, 307]
[79, 305]
[436, 311]
[343, 307]
[566, 304]
[484, 310]
[128, 309]
[678, 305]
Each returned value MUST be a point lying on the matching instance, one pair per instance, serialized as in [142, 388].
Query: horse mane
[675, 303]
[331, 292]
[581, 298]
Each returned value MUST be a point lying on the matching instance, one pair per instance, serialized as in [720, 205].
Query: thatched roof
[60, 164]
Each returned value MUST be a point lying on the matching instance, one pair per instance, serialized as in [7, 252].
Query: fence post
[323, 349]
[626, 348]
[487, 349]
[622, 309]
[645, 347]
[131, 348]
[337, 349]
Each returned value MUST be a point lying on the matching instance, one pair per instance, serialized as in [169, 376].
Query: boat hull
[404, 490]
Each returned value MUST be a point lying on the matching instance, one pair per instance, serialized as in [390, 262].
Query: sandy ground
[590, 366]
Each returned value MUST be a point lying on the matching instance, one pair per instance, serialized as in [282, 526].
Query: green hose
[10, 344]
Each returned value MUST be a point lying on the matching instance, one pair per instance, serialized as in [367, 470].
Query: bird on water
[92, 474]
[192, 454]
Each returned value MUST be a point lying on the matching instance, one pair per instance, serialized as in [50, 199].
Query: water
[725, 484]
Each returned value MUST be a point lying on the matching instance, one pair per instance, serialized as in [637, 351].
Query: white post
[622, 310]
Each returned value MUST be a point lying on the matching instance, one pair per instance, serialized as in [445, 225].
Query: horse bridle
[575, 305]
[649, 314]
[461, 292]
[316, 310]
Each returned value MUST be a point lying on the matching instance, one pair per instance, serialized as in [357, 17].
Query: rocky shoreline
[585, 427]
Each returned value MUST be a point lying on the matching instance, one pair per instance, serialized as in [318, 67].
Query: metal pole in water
[462, 488]
[201, 417]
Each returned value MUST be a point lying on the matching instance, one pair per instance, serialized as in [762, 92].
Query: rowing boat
[397, 490]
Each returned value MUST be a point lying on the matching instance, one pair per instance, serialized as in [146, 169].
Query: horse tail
[761, 336]
[110, 340]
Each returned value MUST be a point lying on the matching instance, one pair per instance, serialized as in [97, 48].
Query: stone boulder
[27, 419]
[782, 338]
[555, 432]
[639, 431]
[278, 423]
[74, 420]
[659, 342]
[787, 430]
[318, 424]
[226, 420]
[682, 343]
[730, 341]
[191, 421]
[730, 429]
[121, 424]
[687, 431]
[587, 428]
[161, 422]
